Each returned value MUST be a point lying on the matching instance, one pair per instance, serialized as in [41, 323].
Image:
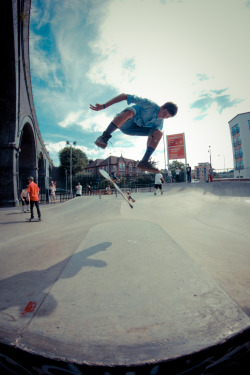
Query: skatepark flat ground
[96, 282]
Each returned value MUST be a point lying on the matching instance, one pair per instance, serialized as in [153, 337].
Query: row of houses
[119, 165]
[128, 167]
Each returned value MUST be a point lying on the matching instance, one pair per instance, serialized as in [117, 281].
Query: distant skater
[158, 183]
[144, 118]
[33, 190]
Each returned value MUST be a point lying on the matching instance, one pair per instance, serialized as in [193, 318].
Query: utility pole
[68, 143]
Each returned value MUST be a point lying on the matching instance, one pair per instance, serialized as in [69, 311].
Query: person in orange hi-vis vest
[33, 190]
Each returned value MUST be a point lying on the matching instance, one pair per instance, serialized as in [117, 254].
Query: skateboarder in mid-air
[144, 118]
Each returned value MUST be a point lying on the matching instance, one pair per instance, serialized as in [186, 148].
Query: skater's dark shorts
[131, 128]
[158, 186]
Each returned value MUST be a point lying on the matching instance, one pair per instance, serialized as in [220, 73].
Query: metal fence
[228, 174]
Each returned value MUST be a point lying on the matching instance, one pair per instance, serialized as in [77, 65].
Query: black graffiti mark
[15, 368]
[12, 366]
[12, 318]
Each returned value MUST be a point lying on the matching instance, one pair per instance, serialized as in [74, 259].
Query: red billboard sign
[176, 146]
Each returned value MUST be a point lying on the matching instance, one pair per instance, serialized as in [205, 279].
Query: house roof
[111, 160]
[239, 114]
[94, 163]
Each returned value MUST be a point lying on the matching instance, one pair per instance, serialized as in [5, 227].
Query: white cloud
[95, 122]
[70, 119]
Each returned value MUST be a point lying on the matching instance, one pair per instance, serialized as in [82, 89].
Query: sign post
[176, 147]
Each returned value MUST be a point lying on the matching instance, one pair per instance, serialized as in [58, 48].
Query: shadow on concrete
[28, 290]
[14, 222]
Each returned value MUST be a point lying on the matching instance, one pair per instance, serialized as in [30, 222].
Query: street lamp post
[68, 143]
[224, 161]
[209, 150]
[66, 185]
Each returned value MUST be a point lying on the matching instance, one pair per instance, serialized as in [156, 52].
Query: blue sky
[192, 52]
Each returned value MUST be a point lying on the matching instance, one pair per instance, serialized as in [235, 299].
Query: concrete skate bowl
[98, 288]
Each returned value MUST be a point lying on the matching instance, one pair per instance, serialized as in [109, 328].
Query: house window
[233, 130]
[241, 153]
[249, 124]
[241, 164]
[121, 167]
[237, 165]
[237, 128]
[235, 142]
[236, 154]
[239, 140]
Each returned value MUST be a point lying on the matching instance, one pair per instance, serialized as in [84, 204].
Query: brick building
[240, 136]
[119, 165]
[201, 172]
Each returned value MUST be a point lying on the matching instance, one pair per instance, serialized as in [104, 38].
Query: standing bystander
[177, 175]
[188, 170]
[88, 189]
[25, 199]
[33, 190]
[52, 192]
[211, 172]
[78, 190]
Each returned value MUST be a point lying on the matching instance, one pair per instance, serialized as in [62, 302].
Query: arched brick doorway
[27, 156]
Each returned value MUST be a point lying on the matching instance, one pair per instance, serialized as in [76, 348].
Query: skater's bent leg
[120, 119]
[152, 143]
[117, 122]
[154, 140]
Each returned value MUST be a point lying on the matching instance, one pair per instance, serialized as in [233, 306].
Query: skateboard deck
[107, 176]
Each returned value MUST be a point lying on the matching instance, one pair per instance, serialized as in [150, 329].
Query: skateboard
[32, 220]
[107, 176]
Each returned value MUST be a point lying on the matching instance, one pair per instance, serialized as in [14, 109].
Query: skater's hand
[97, 107]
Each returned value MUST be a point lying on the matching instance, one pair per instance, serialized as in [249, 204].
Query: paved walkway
[96, 282]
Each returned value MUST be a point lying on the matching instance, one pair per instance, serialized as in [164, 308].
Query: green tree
[79, 160]
[176, 164]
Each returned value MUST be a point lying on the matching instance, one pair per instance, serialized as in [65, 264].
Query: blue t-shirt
[146, 112]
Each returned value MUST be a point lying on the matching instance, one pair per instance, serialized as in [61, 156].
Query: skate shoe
[147, 166]
[102, 141]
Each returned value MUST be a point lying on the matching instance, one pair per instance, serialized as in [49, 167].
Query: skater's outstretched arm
[117, 99]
